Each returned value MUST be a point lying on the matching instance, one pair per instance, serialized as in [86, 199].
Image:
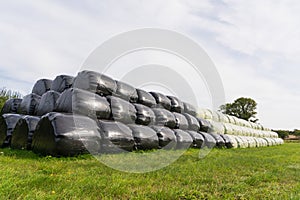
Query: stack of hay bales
[94, 113]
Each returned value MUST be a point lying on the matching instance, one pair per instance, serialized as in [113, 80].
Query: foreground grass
[258, 173]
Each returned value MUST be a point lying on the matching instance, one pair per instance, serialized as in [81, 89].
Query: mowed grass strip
[257, 173]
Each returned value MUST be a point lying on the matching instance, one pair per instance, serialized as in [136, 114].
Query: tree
[282, 133]
[244, 108]
[296, 132]
[6, 94]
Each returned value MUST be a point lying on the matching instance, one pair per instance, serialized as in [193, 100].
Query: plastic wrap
[145, 98]
[176, 104]
[193, 122]
[145, 138]
[184, 140]
[164, 117]
[126, 92]
[23, 132]
[42, 86]
[116, 137]
[29, 104]
[47, 103]
[95, 83]
[11, 106]
[7, 125]
[166, 137]
[122, 110]
[62, 82]
[198, 139]
[60, 134]
[144, 115]
[181, 121]
[204, 125]
[220, 143]
[190, 109]
[83, 102]
[161, 100]
[209, 141]
[229, 142]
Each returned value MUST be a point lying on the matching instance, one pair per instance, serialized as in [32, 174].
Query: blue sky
[255, 45]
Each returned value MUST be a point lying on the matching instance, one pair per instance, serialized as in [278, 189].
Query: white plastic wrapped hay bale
[215, 116]
[260, 133]
[255, 133]
[267, 134]
[228, 128]
[265, 142]
[258, 144]
[252, 142]
[231, 119]
[248, 131]
[269, 142]
[239, 130]
[222, 117]
[240, 122]
[201, 113]
[254, 125]
[243, 143]
[248, 124]
[234, 142]
[217, 127]
[279, 141]
[244, 131]
[208, 114]
[274, 134]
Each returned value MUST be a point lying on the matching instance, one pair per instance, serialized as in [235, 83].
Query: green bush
[6, 94]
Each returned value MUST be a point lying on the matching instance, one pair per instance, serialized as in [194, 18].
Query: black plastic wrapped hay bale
[144, 115]
[204, 125]
[62, 82]
[95, 82]
[42, 86]
[164, 117]
[116, 137]
[126, 92]
[229, 143]
[162, 101]
[189, 109]
[198, 139]
[219, 140]
[166, 137]
[23, 132]
[83, 102]
[11, 106]
[7, 125]
[145, 138]
[181, 121]
[184, 140]
[60, 134]
[193, 122]
[209, 141]
[122, 110]
[145, 98]
[29, 104]
[47, 103]
[176, 104]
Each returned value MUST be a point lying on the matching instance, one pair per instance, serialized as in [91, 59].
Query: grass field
[258, 173]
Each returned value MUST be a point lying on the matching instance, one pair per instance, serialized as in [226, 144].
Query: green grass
[258, 173]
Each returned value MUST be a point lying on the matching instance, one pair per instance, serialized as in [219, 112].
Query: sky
[255, 45]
